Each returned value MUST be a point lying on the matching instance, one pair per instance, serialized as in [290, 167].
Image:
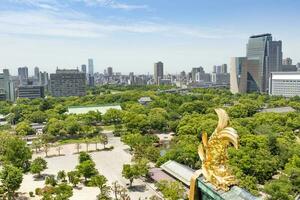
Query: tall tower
[91, 67]
[158, 72]
[110, 71]
[83, 68]
[37, 73]
[264, 56]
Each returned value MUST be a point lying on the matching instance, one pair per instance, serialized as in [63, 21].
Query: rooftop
[86, 109]
[184, 173]
[278, 110]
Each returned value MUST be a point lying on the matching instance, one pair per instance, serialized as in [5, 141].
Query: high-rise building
[158, 72]
[195, 71]
[91, 67]
[7, 88]
[83, 69]
[110, 71]
[69, 82]
[37, 73]
[224, 68]
[220, 75]
[23, 74]
[267, 55]
[285, 84]
[237, 83]
[31, 91]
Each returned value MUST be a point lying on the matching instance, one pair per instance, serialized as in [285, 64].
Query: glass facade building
[263, 57]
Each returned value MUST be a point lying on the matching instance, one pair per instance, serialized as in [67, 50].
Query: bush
[31, 194]
[38, 191]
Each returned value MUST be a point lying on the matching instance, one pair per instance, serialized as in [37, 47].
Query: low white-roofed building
[86, 109]
[144, 100]
[285, 84]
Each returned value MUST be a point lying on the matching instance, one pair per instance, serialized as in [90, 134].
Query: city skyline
[132, 35]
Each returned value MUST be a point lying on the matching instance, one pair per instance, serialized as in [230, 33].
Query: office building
[220, 78]
[68, 82]
[237, 79]
[37, 73]
[23, 74]
[158, 72]
[110, 71]
[91, 67]
[195, 71]
[285, 84]
[263, 57]
[220, 75]
[220, 69]
[31, 91]
[203, 77]
[7, 87]
[289, 68]
[298, 66]
[83, 69]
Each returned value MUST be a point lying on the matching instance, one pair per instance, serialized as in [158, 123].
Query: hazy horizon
[131, 35]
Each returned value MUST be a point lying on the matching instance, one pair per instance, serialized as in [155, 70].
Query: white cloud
[114, 4]
[52, 5]
[72, 24]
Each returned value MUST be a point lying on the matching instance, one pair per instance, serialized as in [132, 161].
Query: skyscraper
[158, 72]
[83, 68]
[23, 74]
[264, 56]
[237, 83]
[110, 71]
[69, 82]
[7, 88]
[195, 71]
[224, 68]
[37, 73]
[91, 66]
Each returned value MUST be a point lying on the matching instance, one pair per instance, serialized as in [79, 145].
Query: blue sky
[132, 35]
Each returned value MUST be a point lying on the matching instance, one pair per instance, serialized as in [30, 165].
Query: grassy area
[108, 128]
[72, 141]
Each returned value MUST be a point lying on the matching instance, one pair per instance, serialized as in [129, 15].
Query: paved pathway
[109, 163]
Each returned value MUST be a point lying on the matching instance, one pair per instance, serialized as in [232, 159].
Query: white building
[285, 84]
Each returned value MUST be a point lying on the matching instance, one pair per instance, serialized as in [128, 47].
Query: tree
[58, 149]
[37, 145]
[119, 191]
[38, 165]
[61, 176]
[11, 179]
[83, 156]
[15, 151]
[130, 172]
[87, 142]
[279, 189]
[104, 140]
[132, 139]
[46, 147]
[172, 190]
[77, 146]
[38, 117]
[74, 177]
[63, 191]
[24, 128]
[112, 116]
[87, 169]
[50, 180]
[100, 182]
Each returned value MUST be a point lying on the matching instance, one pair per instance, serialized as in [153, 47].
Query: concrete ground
[108, 163]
